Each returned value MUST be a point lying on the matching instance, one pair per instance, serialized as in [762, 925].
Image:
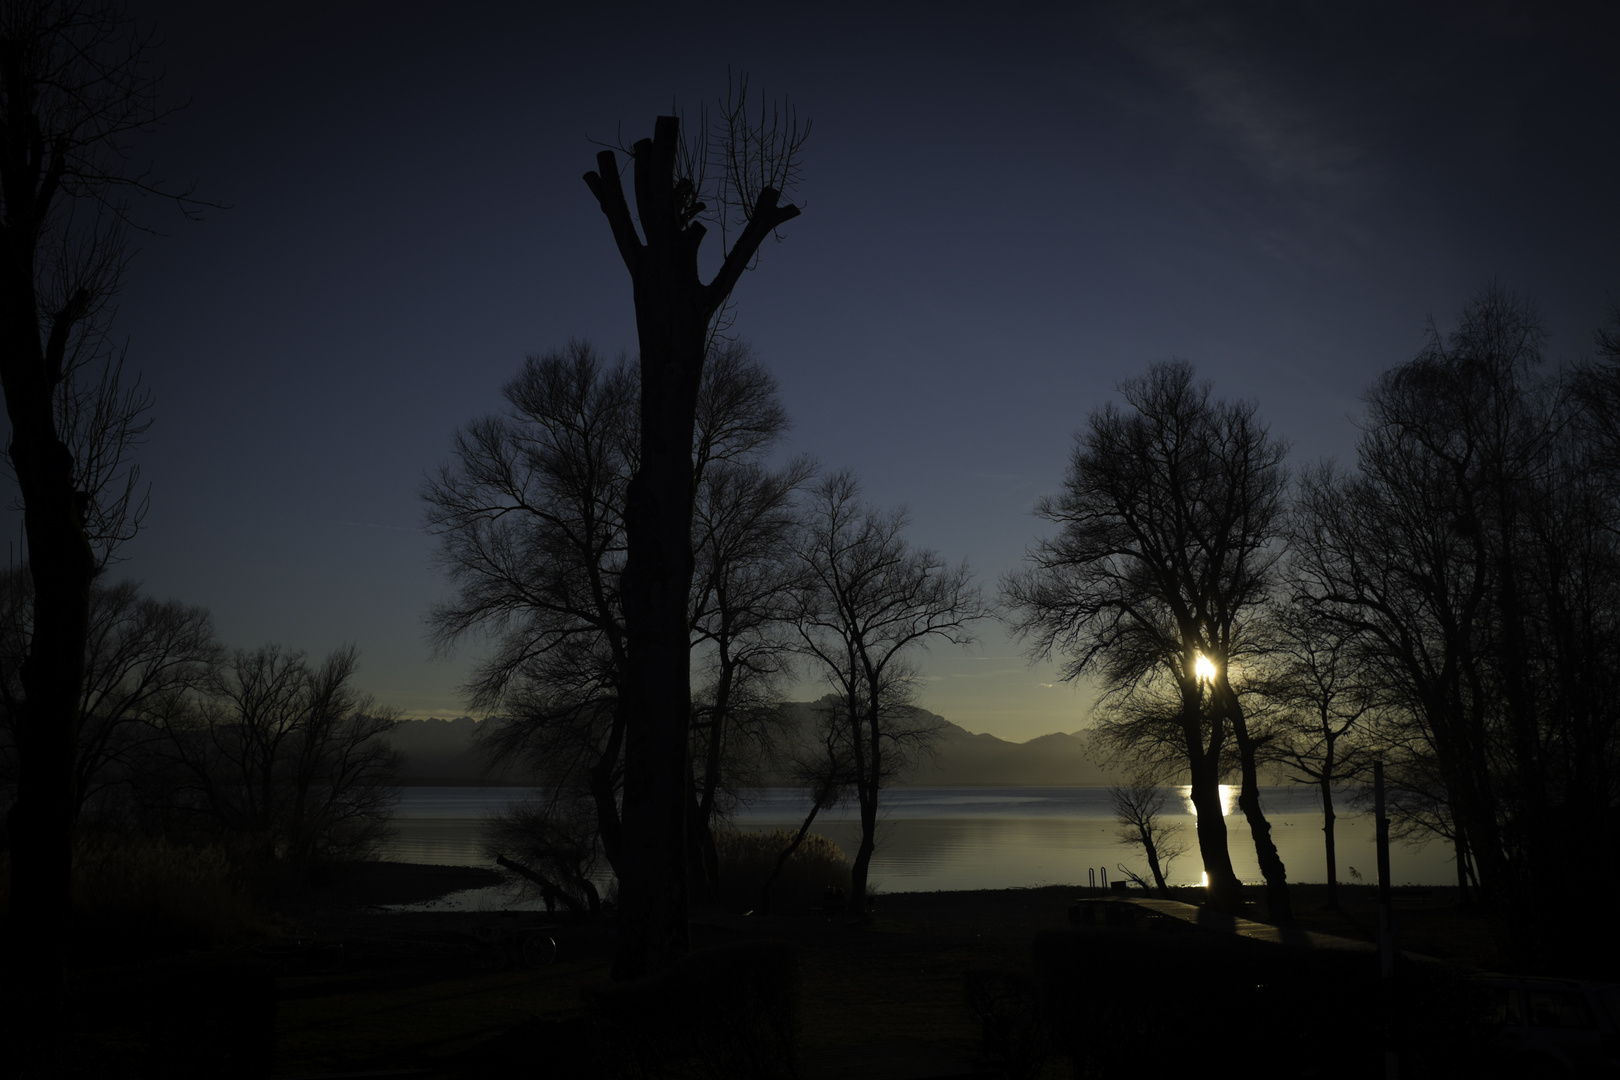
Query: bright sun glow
[1228, 800]
[1205, 668]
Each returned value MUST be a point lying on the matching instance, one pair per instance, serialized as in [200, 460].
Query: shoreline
[379, 883]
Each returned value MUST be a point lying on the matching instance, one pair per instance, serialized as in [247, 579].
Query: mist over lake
[933, 838]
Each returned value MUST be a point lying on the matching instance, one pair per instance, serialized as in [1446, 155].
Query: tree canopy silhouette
[1165, 554]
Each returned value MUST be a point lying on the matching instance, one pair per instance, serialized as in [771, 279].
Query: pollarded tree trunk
[673, 311]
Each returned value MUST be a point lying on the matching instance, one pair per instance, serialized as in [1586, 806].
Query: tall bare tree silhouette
[76, 85]
[675, 316]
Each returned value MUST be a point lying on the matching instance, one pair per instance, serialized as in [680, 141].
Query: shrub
[747, 859]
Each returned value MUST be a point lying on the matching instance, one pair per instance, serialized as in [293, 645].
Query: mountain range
[444, 752]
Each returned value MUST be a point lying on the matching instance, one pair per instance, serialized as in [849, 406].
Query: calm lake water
[980, 838]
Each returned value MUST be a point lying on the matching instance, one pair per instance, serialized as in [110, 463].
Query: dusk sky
[1005, 215]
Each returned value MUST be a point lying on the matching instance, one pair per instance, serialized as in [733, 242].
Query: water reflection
[1228, 800]
[973, 838]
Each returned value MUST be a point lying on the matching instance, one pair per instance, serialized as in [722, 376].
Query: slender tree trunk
[1279, 906]
[703, 861]
[1328, 818]
[863, 854]
[1459, 845]
[1153, 865]
[782, 859]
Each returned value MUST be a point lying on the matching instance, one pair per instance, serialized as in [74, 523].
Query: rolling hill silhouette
[443, 752]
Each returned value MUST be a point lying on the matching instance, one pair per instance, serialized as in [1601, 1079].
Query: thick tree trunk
[673, 309]
[61, 563]
[1225, 894]
[1204, 778]
[656, 582]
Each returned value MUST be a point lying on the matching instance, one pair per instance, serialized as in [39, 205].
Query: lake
[981, 838]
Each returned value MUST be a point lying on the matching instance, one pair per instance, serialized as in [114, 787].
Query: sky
[1006, 214]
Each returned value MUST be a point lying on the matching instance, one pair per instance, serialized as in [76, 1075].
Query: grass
[897, 975]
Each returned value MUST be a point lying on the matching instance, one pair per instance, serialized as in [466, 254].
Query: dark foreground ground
[333, 985]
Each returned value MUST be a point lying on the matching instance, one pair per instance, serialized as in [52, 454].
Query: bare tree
[675, 313]
[1137, 807]
[557, 847]
[742, 635]
[1471, 556]
[288, 757]
[76, 86]
[823, 767]
[530, 517]
[142, 656]
[1156, 581]
[1327, 695]
[869, 601]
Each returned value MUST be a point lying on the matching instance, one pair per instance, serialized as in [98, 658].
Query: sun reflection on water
[1228, 799]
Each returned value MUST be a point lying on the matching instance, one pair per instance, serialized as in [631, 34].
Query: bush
[727, 1012]
[747, 859]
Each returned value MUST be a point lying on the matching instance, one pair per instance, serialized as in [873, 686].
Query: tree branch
[608, 188]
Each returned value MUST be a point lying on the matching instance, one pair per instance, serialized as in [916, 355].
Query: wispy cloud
[1279, 135]
[1250, 102]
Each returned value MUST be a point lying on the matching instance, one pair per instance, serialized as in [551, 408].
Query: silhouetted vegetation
[869, 600]
[799, 882]
[1169, 523]
[77, 85]
[1137, 807]
[755, 159]
[1469, 560]
[530, 518]
[1449, 606]
[282, 756]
